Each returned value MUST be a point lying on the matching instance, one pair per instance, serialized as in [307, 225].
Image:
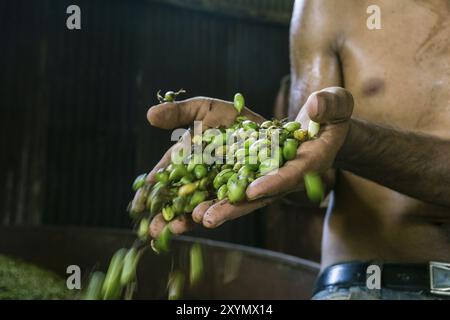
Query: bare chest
[400, 75]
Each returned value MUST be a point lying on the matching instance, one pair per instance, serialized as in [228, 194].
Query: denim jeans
[362, 293]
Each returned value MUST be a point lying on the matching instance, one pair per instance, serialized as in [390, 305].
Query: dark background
[73, 128]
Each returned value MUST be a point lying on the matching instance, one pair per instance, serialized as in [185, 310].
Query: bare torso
[399, 76]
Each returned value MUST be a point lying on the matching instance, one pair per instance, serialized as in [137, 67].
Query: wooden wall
[73, 130]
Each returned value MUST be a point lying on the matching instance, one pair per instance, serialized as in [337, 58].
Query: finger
[163, 163]
[158, 223]
[181, 224]
[224, 211]
[199, 211]
[213, 111]
[286, 179]
[331, 105]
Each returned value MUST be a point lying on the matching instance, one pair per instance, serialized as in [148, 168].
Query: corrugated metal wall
[73, 103]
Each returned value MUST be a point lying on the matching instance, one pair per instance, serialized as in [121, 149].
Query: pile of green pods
[220, 163]
[229, 160]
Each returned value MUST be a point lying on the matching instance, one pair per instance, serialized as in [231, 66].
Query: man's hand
[331, 107]
[213, 113]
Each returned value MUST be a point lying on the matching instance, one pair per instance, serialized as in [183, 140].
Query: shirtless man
[384, 146]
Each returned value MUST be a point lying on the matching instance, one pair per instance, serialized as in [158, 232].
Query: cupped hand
[331, 107]
[212, 113]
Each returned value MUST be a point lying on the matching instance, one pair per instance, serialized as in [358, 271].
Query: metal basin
[231, 271]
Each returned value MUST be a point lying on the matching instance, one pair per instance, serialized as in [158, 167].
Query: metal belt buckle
[440, 278]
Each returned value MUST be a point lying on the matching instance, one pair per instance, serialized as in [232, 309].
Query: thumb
[331, 105]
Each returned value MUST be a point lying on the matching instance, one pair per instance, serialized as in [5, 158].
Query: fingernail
[251, 195]
[209, 224]
[255, 197]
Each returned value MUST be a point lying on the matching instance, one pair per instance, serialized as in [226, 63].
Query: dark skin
[388, 141]
[398, 139]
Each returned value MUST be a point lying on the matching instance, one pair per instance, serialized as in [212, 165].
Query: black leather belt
[395, 276]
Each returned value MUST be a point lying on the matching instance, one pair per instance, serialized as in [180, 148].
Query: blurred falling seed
[156, 206]
[239, 102]
[168, 213]
[138, 204]
[162, 243]
[178, 204]
[154, 247]
[148, 203]
[112, 288]
[196, 261]
[129, 267]
[157, 188]
[175, 285]
[142, 232]
[315, 189]
[139, 182]
[313, 129]
[94, 289]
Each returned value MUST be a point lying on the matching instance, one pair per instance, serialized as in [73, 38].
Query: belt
[432, 278]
